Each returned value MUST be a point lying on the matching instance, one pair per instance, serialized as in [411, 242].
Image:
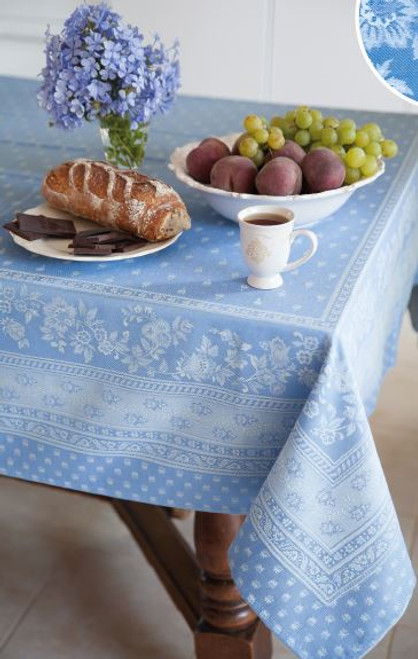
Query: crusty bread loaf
[123, 199]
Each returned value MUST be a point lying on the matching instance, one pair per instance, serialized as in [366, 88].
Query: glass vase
[124, 146]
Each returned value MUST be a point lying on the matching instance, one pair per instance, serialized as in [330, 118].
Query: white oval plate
[308, 208]
[57, 248]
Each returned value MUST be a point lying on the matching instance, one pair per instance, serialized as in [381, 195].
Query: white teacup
[266, 234]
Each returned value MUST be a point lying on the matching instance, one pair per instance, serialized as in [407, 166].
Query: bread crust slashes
[121, 199]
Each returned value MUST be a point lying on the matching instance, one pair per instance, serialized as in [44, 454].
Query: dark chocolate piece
[98, 250]
[27, 235]
[115, 237]
[92, 232]
[129, 246]
[104, 241]
[83, 242]
[102, 237]
[92, 246]
[48, 226]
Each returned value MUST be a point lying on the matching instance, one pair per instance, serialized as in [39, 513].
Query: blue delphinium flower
[99, 67]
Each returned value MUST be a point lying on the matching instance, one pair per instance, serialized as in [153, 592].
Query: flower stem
[124, 145]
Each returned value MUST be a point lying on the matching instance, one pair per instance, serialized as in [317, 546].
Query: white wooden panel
[224, 44]
[317, 59]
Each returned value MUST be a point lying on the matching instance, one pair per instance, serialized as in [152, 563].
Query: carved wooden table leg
[229, 629]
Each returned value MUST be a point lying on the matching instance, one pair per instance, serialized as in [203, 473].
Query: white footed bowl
[308, 208]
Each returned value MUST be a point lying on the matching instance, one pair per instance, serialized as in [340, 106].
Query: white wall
[22, 28]
[291, 52]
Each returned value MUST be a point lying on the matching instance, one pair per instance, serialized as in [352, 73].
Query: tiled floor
[74, 586]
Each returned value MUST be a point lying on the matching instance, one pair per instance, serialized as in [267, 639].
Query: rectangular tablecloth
[167, 379]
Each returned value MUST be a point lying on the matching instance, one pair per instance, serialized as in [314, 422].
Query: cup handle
[314, 240]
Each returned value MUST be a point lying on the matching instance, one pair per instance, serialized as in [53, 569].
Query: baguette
[121, 199]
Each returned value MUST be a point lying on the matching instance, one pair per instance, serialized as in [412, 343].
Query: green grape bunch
[358, 147]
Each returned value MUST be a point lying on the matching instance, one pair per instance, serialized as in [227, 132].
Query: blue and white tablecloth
[168, 380]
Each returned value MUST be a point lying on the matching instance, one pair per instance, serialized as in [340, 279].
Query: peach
[290, 150]
[323, 170]
[234, 173]
[281, 176]
[201, 159]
